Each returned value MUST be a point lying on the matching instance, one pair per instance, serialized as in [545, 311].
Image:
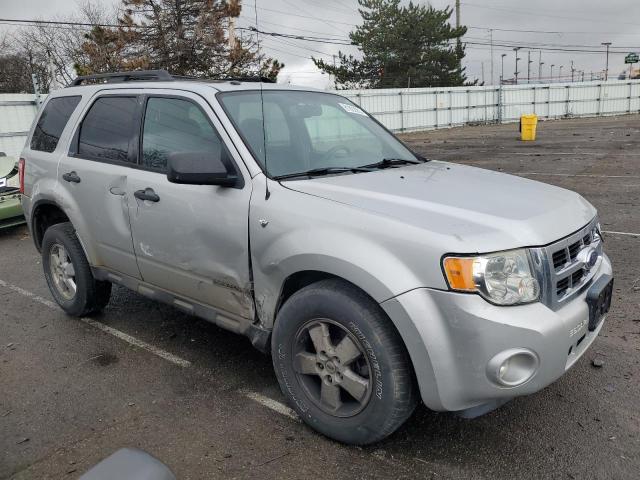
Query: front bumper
[10, 210]
[452, 337]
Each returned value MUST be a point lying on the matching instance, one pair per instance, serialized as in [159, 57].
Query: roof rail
[158, 75]
[118, 77]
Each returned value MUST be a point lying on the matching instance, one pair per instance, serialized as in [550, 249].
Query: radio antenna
[267, 194]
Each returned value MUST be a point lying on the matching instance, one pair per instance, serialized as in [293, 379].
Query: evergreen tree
[401, 46]
[185, 37]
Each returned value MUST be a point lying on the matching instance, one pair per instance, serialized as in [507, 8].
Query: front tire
[342, 364]
[68, 273]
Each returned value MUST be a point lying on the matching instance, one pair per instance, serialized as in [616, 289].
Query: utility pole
[482, 65]
[458, 20]
[502, 67]
[551, 79]
[529, 61]
[491, 41]
[517, 58]
[560, 73]
[606, 69]
[235, 4]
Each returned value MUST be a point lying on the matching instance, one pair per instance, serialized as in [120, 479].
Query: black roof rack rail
[118, 77]
[158, 75]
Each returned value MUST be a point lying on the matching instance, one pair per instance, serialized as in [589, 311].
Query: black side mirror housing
[201, 168]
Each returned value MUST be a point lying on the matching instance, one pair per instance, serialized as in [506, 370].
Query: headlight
[504, 278]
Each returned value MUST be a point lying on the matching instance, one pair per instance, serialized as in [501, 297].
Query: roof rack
[156, 75]
[118, 77]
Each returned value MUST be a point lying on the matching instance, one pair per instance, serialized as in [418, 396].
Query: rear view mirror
[200, 168]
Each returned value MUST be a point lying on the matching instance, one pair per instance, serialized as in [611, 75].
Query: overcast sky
[569, 24]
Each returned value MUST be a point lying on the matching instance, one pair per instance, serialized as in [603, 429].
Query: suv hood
[475, 209]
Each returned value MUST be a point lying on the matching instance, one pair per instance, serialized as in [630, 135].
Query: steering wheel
[331, 153]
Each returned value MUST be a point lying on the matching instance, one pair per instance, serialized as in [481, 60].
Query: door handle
[71, 177]
[117, 191]
[147, 194]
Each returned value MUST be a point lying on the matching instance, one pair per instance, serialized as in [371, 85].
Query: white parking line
[274, 405]
[101, 326]
[622, 233]
[589, 175]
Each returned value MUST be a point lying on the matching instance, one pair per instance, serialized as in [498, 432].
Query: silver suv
[372, 275]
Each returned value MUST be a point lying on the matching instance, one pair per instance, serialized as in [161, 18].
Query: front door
[192, 240]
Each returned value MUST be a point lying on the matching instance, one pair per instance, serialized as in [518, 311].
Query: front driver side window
[172, 125]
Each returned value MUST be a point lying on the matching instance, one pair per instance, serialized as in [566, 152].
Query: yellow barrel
[528, 124]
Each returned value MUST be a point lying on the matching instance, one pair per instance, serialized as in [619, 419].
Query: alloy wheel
[332, 367]
[62, 271]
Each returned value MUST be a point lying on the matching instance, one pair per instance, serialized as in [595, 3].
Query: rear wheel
[68, 273]
[341, 363]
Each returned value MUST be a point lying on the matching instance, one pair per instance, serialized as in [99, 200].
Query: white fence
[404, 110]
[17, 111]
[428, 108]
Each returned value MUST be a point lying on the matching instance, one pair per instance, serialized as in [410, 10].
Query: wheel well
[44, 216]
[298, 281]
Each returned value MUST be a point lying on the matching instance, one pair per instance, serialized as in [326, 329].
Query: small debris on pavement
[610, 388]
[24, 440]
[597, 362]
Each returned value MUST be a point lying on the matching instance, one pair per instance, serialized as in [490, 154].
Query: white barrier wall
[17, 111]
[428, 108]
[409, 109]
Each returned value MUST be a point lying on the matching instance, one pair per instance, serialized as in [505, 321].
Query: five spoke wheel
[62, 271]
[332, 366]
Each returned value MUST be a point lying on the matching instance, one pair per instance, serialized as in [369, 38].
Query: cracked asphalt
[71, 394]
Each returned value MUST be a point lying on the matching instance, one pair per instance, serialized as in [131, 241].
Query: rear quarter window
[52, 121]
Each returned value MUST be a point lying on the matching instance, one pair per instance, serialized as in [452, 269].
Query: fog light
[512, 367]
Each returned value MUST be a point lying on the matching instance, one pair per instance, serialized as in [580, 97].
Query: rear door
[102, 154]
[192, 240]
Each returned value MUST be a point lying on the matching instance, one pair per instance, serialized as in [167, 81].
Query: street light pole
[502, 67]
[516, 72]
[551, 79]
[560, 73]
[540, 63]
[572, 71]
[606, 68]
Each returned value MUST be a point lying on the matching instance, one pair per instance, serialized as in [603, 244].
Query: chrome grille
[561, 273]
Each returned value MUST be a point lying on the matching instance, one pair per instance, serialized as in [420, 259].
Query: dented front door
[191, 240]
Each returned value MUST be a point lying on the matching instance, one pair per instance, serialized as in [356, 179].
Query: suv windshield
[306, 131]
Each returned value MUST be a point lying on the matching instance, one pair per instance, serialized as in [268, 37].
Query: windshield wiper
[316, 172]
[392, 162]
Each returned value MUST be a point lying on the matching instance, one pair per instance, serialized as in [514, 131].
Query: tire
[356, 415]
[90, 295]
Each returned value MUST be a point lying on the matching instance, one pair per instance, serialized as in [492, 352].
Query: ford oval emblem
[589, 257]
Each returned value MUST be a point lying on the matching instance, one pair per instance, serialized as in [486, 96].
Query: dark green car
[10, 207]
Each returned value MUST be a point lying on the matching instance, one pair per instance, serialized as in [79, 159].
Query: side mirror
[200, 168]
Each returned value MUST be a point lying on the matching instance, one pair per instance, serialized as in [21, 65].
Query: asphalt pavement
[203, 401]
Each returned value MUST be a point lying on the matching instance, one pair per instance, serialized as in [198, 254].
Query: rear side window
[107, 129]
[173, 126]
[51, 123]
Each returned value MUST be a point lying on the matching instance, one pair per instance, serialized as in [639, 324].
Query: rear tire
[341, 363]
[68, 273]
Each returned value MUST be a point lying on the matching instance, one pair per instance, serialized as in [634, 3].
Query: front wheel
[341, 363]
[68, 273]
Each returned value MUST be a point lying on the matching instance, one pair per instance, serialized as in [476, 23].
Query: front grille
[563, 275]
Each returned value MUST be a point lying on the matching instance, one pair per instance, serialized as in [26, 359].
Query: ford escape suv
[373, 276]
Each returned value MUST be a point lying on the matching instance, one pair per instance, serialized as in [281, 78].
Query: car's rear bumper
[454, 339]
[10, 210]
